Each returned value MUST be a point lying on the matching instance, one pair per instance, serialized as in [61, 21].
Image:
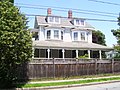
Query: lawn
[66, 82]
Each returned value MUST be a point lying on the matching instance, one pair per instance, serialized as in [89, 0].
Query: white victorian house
[60, 37]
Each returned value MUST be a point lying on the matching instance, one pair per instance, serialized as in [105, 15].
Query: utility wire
[67, 8]
[21, 6]
[105, 2]
[80, 18]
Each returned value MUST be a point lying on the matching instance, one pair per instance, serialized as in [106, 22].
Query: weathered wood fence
[44, 68]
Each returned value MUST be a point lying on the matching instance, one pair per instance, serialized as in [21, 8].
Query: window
[56, 34]
[82, 22]
[79, 22]
[61, 35]
[53, 19]
[75, 36]
[48, 34]
[56, 19]
[82, 35]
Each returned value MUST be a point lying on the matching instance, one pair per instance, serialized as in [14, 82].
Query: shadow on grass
[11, 76]
[22, 75]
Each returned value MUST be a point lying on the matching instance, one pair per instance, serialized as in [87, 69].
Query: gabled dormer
[79, 22]
[52, 19]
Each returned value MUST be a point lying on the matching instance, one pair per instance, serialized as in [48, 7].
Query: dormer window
[79, 22]
[53, 19]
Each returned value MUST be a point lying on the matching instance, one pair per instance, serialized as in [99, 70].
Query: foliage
[15, 42]
[12, 1]
[98, 37]
[84, 56]
[116, 33]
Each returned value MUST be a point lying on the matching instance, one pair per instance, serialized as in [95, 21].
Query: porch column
[63, 53]
[88, 54]
[48, 51]
[100, 54]
[76, 53]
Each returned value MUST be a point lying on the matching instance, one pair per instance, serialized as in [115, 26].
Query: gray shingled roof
[70, 45]
[64, 22]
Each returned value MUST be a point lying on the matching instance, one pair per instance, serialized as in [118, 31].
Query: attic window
[53, 19]
[79, 22]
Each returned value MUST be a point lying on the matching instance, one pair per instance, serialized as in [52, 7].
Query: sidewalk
[71, 85]
[52, 81]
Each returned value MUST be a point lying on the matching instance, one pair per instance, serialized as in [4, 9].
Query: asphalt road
[109, 86]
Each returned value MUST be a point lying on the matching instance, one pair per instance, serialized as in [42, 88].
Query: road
[109, 86]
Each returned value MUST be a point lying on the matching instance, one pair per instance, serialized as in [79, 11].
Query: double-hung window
[53, 19]
[61, 35]
[79, 22]
[56, 34]
[49, 34]
[82, 36]
[75, 36]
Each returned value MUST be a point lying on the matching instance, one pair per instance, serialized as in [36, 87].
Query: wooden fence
[44, 68]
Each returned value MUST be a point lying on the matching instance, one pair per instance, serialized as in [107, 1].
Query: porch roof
[69, 45]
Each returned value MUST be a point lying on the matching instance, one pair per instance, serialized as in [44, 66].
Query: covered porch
[55, 49]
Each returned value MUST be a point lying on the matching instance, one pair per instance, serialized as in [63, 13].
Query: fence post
[76, 66]
[112, 65]
[96, 67]
[53, 67]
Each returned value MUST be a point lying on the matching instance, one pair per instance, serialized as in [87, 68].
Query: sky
[82, 5]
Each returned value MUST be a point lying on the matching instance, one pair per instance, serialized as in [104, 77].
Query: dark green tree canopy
[15, 41]
[12, 1]
[98, 37]
[116, 33]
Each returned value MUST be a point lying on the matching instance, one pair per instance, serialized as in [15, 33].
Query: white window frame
[56, 34]
[79, 22]
[54, 19]
[81, 37]
[48, 37]
[75, 36]
[52, 34]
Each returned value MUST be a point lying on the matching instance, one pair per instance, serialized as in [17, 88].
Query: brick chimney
[70, 14]
[49, 11]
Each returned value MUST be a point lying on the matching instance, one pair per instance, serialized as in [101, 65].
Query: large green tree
[15, 42]
[98, 37]
[116, 33]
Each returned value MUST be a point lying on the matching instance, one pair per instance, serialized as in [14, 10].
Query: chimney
[70, 14]
[49, 11]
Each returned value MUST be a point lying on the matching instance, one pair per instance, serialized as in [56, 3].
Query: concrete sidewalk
[60, 87]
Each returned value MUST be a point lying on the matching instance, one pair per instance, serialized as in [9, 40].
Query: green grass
[66, 83]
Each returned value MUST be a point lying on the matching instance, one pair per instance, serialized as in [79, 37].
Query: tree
[12, 1]
[15, 42]
[116, 33]
[98, 37]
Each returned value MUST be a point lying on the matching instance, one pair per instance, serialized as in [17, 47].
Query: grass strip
[66, 82]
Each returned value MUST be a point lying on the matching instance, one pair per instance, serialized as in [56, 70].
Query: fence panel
[65, 68]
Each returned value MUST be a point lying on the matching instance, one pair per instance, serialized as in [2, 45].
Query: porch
[64, 53]
[60, 49]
